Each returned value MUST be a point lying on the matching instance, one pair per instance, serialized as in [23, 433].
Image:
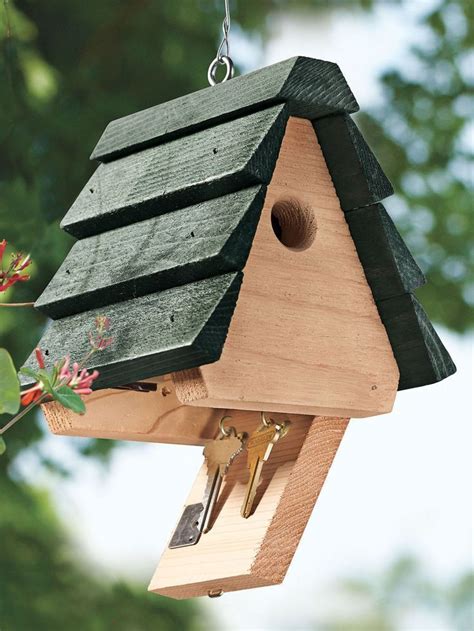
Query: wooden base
[236, 553]
[240, 553]
[156, 417]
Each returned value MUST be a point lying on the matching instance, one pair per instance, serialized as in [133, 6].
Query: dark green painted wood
[179, 173]
[421, 357]
[389, 266]
[311, 87]
[358, 178]
[177, 248]
[175, 329]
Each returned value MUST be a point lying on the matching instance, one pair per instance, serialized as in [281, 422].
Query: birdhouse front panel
[305, 336]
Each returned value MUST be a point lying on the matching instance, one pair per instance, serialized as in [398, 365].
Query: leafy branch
[64, 382]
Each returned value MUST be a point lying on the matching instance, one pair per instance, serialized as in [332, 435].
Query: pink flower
[63, 374]
[12, 275]
[79, 380]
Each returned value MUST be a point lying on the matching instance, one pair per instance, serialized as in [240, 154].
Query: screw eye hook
[223, 52]
[265, 422]
[281, 427]
[211, 72]
[226, 431]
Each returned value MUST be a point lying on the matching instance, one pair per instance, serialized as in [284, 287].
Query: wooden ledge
[157, 417]
[240, 553]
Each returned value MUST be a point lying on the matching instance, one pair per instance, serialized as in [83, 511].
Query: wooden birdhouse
[236, 240]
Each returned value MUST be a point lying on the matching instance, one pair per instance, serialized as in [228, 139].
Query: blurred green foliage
[66, 70]
[402, 597]
[424, 137]
[44, 585]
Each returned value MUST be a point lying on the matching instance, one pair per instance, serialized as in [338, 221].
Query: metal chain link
[222, 58]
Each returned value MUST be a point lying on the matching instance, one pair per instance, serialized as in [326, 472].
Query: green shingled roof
[166, 223]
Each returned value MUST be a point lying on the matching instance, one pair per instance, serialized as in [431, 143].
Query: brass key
[259, 448]
[219, 454]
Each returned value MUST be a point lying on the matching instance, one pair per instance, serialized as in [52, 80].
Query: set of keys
[219, 455]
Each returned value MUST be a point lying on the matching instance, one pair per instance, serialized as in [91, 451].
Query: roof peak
[312, 88]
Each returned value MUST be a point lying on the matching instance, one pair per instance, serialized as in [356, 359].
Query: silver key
[219, 454]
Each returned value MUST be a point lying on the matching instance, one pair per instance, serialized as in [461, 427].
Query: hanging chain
[222, 57]
[225, 30]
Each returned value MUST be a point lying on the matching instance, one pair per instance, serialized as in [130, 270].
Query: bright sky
[400, 483]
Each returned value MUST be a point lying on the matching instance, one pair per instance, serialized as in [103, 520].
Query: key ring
[226, 431]
[266, 422]
[282, 428]
[229, 69]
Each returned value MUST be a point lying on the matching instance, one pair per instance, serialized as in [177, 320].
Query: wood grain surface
[311, 87]
[182, 172]
[421, 356]
[155, 334]
[306, 336]
[239, 553]
[157, 417]
[389, 266]
[355, 171]
[177, 248]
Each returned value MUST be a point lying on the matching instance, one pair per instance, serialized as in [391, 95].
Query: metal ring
[229, 69]
[225, 431]
[265, 422]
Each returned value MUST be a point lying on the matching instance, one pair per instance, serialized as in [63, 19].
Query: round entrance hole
[294, 224]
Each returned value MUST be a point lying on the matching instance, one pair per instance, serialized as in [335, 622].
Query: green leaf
[55, 371]
[67, 397]
[29, 372]
[9, 385]
[54, 374]
[3, 447]
[45, 378]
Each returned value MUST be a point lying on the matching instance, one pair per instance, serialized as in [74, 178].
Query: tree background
[66, 70]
